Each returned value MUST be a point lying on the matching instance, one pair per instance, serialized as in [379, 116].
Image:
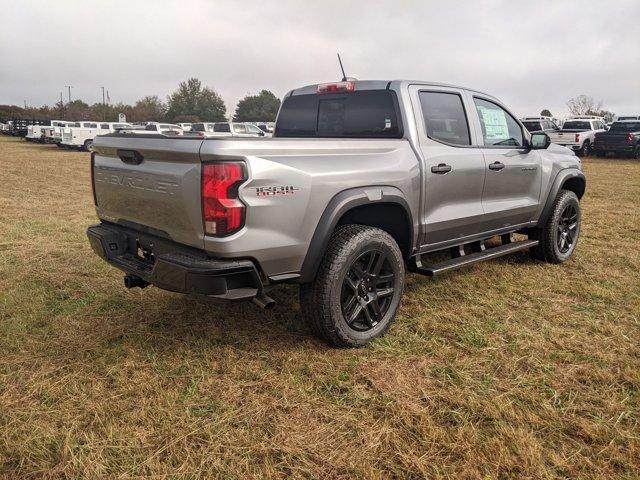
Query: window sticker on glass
[495, 123]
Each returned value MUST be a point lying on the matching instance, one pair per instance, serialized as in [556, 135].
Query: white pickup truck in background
[53, 134]
[80, 135]
[578, 134]
[34, 133]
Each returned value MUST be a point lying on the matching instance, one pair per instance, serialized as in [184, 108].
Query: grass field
[509, 369]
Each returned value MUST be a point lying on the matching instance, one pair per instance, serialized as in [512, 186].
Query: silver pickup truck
[362, 181]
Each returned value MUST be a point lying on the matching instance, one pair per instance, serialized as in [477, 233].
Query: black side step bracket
[479, 256]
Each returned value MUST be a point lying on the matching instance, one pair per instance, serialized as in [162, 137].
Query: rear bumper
[174, 267]
[572, 146]
[622, 148]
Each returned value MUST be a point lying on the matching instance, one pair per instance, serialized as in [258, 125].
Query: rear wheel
[586, 149]
[559, 235]
[88, 146]
[356, 293]
[636, 152]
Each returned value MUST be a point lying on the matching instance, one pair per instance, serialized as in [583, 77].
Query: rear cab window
[579, 126]
[626, 126]
[532, 126]
[357, 114]
[445, 118]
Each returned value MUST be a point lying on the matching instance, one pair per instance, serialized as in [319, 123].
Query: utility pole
[62, 108]
[104, 106]
[69, 87]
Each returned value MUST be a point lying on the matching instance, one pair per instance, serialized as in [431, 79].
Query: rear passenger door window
[499, 128]
[445, 118]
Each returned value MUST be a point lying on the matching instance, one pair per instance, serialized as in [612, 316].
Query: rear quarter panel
[291, 182]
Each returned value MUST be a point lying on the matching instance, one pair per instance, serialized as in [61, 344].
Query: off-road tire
[548, 249]
[585, 150]
[320, 300]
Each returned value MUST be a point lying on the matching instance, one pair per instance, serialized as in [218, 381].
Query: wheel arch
[382, 207]
[569, 179]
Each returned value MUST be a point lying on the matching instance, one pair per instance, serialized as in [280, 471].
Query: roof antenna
[344, 77]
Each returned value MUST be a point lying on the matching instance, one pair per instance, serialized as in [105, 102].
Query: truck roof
[382, 85]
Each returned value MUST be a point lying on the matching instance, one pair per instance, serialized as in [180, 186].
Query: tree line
[585, 105]
[190, 102]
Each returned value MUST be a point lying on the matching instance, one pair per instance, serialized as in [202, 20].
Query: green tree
[104, 112]
[78, 110]
[545, 113]
[147, 109]
[257, 108]
[192, 99]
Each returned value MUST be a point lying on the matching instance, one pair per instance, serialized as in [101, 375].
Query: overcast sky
[532, 55]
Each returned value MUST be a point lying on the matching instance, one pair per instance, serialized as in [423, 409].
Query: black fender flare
[561, 178]
[340, 204]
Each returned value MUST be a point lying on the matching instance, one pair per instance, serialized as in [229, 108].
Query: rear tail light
[222, 210]
[93, 178]
[577, 137]
[338, 87]
[630, 139]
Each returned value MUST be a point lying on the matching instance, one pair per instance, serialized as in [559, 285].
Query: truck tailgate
[150, 184]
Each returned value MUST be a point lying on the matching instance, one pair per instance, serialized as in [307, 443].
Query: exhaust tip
[264, 301]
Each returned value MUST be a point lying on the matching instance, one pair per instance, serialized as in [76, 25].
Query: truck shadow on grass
[178, 319]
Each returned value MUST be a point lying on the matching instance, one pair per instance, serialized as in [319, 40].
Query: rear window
[627, 118]
[359, 114]
[532, 126]
[626, 126]
[576, 126]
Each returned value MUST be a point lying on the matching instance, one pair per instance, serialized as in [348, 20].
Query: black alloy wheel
[367, 290]
[567, 227]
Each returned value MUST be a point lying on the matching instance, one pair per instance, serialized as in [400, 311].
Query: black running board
[470, 259]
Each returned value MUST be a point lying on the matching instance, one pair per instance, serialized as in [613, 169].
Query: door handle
[496, 166]
[132, 157]
[441, 168]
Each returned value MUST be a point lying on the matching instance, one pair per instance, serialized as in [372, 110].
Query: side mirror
[540, 141]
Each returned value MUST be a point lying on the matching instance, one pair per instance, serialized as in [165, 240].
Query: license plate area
[144, 251]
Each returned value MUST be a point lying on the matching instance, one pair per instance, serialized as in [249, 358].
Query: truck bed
[161, 193]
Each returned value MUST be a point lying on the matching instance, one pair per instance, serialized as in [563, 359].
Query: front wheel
[357, 290]
[559, 235]
[88, 146]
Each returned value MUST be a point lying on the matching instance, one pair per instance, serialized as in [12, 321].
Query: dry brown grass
[510, 369]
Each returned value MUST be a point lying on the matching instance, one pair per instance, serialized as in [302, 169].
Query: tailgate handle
[132, 157]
